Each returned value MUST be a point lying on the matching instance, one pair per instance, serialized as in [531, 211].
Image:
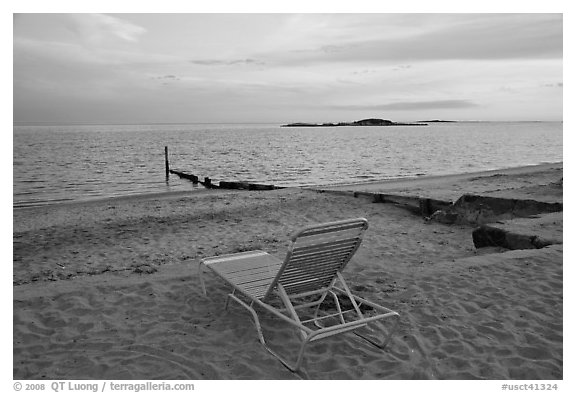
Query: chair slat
[303, 273]
[254, 272]
[326, 252]
[320, 281]
[232, 257]
[314, 267]
[329, 229]
[318, 258]
[306, 287]
[237, 271]
[301, 247]
[297, 253]
[250, 263]
[251, 278]
[317, 262]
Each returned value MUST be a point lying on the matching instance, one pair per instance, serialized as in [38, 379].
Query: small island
[359, 123]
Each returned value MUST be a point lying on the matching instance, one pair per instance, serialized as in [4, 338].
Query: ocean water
[55, 164]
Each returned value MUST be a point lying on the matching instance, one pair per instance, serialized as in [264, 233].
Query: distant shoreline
[358, 123]
[437, 121]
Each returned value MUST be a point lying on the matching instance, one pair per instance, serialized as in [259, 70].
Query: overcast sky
[155, 68]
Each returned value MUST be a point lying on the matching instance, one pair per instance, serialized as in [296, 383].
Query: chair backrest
[317, 253]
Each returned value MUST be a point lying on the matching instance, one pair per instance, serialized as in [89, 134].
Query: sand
[109, 289]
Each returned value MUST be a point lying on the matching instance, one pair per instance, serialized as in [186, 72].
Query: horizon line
[57, 123]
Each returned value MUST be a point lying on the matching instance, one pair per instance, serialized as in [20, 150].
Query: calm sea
[54, 164]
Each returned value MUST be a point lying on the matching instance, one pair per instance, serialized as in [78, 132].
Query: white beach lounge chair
[310, 272]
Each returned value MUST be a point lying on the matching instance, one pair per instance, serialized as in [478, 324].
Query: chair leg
[228, 299]
[254, 316]
[292, 367]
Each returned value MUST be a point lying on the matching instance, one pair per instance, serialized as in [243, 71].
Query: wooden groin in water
[225, 185]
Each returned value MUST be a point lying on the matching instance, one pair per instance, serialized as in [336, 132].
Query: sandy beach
[109, 289]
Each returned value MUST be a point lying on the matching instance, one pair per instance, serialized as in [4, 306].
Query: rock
[428, 206]
[477, 209]
[487, 236]
[444, 217]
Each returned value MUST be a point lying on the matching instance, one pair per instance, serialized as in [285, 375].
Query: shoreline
[360, 185]
[109, 289]
[516, 170]
[121, 198]
[525, 182]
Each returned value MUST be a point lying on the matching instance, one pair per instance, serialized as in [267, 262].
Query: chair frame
[289, 311]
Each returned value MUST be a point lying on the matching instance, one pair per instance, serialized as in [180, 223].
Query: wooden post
[166, 160]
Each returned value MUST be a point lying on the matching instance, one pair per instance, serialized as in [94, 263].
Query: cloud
[477, 37]
[415, 105]
[166, 78]
[70, 54]
[364, 72]
[335, 48]
[213, 62]
[402, 67]
[95, 28]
